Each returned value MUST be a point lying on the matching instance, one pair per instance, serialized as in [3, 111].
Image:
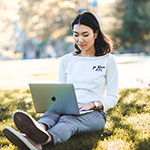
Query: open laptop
[59, 98]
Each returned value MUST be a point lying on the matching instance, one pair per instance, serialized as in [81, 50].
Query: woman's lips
[81, 45]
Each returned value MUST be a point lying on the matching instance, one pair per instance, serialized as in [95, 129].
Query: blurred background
[34, 34]
[32, 29]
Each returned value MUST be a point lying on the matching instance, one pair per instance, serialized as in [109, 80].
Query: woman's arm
[62, 74]
[112, 85]
[112, 89]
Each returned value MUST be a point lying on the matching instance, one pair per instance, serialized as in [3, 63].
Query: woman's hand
[90, 105]
[85, 106]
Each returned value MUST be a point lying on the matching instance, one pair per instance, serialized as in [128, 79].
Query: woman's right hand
[85, 106]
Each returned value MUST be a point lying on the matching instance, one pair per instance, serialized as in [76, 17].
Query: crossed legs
[34, 133]
[51, 128]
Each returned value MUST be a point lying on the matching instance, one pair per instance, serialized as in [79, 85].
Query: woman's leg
[69, 125]
[20, 140]
[60, 129]
[49, 119]
[28, 125]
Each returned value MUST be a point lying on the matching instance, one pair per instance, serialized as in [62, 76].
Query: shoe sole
[26, 124]
[17, 139]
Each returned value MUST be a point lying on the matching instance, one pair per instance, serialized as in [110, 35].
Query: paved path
[134, 75]
[17, 74]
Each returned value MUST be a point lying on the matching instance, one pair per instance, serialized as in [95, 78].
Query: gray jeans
[62, 127]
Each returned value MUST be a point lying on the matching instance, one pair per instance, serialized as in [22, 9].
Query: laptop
[58, 98]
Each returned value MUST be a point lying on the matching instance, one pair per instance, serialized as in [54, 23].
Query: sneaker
[28, 125]
[17, 139]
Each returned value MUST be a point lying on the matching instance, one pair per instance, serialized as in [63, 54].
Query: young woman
[93, 72]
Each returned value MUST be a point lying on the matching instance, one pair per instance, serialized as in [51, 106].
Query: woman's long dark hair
[102, 43]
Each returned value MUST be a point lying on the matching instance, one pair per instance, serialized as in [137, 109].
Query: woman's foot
[21, 140]
[28, 125]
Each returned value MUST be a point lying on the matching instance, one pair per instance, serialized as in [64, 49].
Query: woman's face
[84, 37]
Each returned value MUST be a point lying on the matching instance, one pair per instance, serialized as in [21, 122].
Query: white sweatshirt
[94, 78]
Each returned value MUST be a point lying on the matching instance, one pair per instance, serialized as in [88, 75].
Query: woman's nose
[80, 39]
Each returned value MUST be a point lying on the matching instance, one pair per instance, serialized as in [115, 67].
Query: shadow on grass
[132, 102]
[143, 144]
[84, 141]
[10, 103]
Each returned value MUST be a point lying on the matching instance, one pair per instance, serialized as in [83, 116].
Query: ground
[17, 74]
[128, 123]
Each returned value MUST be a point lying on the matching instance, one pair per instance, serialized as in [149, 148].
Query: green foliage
[127, 127]
[132, 22]
[44, 18]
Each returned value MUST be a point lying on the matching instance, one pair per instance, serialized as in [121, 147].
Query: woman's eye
[86, 35]
[75, 35]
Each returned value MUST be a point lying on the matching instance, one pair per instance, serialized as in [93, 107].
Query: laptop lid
[59, 98]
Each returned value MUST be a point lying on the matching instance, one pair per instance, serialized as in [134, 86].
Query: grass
[127, 127]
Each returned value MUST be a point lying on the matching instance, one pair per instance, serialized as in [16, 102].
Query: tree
[131, 22]
[47, 18]
[8, 15]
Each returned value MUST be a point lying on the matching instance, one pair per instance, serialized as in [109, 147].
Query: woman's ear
[96, 34]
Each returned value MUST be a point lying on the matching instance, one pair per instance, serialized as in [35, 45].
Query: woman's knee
[66, 118]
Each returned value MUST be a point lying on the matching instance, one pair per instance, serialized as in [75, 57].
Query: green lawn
[127, 127]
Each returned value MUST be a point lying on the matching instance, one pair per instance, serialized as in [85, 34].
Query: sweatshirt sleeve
[112, 84]
[62, 73]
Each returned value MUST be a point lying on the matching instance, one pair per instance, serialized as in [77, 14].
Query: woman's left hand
[85, 106]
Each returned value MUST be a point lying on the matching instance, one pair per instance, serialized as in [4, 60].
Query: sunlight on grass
[127, 127]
